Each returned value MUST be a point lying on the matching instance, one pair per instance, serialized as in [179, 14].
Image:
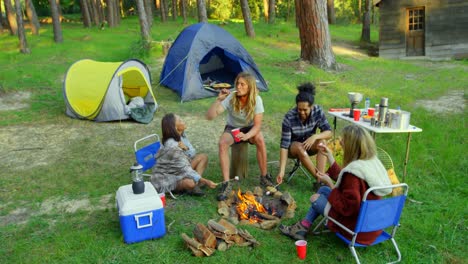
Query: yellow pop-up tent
[100, 91]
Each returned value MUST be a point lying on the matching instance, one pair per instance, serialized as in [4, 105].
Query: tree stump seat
[239, 160]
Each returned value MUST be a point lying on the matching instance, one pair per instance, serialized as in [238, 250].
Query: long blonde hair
[358, 144]
[251, 97]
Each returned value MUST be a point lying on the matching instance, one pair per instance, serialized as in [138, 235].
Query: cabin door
[415, 25]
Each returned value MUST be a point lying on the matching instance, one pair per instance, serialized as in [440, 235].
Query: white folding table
[343, 115]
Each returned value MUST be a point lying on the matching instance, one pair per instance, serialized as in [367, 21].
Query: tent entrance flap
[220, 65]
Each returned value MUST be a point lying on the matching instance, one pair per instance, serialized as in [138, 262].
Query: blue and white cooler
[141, 215]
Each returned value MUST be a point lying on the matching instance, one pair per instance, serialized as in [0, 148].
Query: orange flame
[247, 204]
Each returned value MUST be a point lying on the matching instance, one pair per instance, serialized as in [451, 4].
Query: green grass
[58, 176]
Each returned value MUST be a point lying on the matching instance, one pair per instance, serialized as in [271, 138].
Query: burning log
[268, 216]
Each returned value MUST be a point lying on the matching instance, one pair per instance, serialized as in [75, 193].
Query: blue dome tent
[204, 52]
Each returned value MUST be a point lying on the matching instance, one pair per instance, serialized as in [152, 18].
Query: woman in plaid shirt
[299, 137]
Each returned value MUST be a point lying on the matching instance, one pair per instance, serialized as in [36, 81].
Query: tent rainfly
[202, 53]
[101, 91]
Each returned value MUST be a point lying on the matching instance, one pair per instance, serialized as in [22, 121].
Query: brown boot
[296, 231]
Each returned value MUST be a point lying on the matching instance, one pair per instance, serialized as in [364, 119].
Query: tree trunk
[94, 12]
[145, 29]
[54, 7]
[201, 5]
[288, 9]
[247, 19]
[366, 18]
[314, 33]
[1, 18]
[32, 16]
[100, 13]
[163, 11]
[149, 12]
[11, 17]
[271, 11]
[21, 35]
[174, 10]
[184, 10]
[118, 12]
[85, 13]
[110, 13]
[331, 11]
[265, 10]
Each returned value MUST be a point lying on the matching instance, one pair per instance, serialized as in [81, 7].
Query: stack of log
[214, 236]
[283, 201]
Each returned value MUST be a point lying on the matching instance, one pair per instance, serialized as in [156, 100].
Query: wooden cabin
[437, 29]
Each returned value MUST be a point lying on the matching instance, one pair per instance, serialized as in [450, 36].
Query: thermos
[383, 108]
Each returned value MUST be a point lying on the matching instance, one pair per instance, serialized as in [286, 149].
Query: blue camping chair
[145, 156]
[375, 215]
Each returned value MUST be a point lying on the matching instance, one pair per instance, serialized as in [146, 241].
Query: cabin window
[416, 18]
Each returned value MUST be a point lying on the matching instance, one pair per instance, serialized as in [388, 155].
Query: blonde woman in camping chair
[341, 200]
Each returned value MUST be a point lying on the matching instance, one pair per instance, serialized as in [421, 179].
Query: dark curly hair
[306, 93]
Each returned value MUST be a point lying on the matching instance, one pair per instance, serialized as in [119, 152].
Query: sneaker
[266, 181]
[296, 231]
[196, 191]
[224, 191]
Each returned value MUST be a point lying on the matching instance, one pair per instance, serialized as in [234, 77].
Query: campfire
[256, 208]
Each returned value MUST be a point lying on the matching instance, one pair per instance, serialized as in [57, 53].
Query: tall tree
[32, 16]
[54, 9]
[149, 11]
[247, 19]
[11, 17]
[111, 15]
[331, 11]
[366, 20]
[144, 27]
[163, 11]
[201, 5]
[184, 10]
[1, 17]
[174, 10]
[265, 10]
[85, 13]
[21, 35]
[314, 33]
[271, 11]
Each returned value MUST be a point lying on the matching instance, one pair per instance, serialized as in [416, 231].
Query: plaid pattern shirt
[294, 130]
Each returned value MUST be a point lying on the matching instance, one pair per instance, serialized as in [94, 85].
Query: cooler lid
[130, 203]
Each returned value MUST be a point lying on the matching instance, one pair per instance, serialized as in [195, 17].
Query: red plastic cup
[371, 111]
[163, 199]
[301, 248]
[356, 114]
[234, 133]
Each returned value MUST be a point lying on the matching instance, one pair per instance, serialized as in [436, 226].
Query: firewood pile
[214, 236]
[278, 206]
